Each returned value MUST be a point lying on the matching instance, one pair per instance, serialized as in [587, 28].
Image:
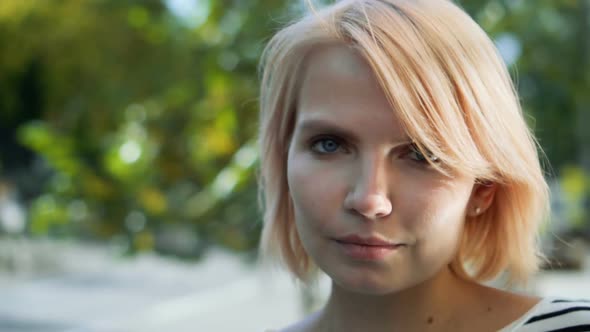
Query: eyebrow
[317, 125]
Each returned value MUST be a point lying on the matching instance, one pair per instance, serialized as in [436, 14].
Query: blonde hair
[454, 96]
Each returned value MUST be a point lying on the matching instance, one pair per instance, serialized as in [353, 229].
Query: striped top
[551, 315]
[554, 315]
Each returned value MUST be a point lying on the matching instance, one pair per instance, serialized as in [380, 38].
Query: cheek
[435, 211]
[314, 188]
[435, 218]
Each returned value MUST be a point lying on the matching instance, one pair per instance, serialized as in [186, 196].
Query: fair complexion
[376, 217]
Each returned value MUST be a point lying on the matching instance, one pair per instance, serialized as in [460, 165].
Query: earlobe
[482, 198]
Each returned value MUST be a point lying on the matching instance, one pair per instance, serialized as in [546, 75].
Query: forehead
[338, 85]
[338, 59]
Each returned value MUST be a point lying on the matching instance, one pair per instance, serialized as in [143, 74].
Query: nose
[369, 194]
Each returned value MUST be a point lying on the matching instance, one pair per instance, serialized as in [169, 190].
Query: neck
[434, 305]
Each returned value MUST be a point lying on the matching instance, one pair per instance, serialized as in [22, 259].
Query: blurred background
[128, 160]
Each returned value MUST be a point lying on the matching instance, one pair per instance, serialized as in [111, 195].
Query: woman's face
[369, 209]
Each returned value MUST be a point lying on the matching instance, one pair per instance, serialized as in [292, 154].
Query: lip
[366, 248]
[366, 241]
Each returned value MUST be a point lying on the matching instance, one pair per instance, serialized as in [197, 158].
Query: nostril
[371, 206]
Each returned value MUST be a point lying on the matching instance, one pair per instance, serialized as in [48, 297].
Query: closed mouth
[372, 241]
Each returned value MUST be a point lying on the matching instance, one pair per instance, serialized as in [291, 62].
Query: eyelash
[410, 149]
[320, 139]
[413, 148]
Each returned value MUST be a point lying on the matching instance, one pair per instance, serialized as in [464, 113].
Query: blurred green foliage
[145, 117]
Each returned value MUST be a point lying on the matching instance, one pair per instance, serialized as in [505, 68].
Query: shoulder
[560, 315]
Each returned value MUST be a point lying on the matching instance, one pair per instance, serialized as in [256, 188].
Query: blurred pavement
[149, 293]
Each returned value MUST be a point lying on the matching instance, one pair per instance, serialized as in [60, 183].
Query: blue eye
[325, 145]
[415, 154]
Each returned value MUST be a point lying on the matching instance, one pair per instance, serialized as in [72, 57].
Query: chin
[372, 285]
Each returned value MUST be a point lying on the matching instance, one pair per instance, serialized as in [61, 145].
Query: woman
[395, 159]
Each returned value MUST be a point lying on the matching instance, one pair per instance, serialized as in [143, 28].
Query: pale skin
[352, 170]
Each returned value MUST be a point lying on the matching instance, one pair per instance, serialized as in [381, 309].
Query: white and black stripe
[557, 315]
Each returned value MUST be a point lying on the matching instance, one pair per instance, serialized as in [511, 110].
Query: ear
[482, 197]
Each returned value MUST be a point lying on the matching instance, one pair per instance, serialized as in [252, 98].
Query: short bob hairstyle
[452, 92]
